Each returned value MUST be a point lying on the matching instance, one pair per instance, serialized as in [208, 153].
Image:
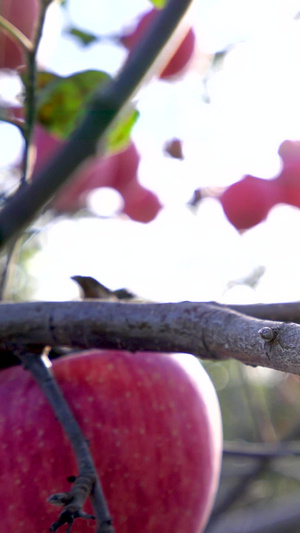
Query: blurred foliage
[62, 101]
[258, 405]
[118, 137]
[83, 36]
[159, 3]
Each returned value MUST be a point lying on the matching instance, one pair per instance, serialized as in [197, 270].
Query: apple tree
[106, 411]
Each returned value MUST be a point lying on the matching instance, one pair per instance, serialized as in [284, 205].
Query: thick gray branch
[207, 330]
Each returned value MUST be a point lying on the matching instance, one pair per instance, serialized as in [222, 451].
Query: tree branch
[207, 330]
[285, 312]
[105, 108]
[259, 450]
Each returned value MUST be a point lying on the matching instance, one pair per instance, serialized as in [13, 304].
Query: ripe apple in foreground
[154, 427]
[23, 15]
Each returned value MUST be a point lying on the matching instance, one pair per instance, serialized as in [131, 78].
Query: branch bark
[207, 330]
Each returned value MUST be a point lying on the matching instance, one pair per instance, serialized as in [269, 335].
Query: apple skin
[22, 14]
[154, 427]
[247, 202]
[182, 55]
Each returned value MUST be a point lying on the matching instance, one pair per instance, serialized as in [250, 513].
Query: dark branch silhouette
[105, 108]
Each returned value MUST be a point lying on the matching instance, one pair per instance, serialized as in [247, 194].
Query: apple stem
[87, 483]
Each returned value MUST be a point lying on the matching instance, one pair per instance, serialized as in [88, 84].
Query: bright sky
[254, 105]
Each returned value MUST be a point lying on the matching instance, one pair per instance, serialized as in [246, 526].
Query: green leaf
[159, 3]
[118, 138]
[85, 37]
[62, 101]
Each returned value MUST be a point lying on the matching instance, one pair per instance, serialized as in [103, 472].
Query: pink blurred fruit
[23, 15]
[182, 55]
[141, 204]
[289, 178]
[289, 152]
[247, 202]
[119, 171]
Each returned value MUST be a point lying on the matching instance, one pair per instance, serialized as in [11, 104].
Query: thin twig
[87, 483]
[30, 90]
[258, 450]
[25, 127]
[15, 34]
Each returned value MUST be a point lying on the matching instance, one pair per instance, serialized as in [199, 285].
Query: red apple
[153, 424]
[89, 176]
[182, 54]
[289, 177]
[247, 202]
[289, 152]
[118, 171]
[22, 14]
[123, 167]
[141, 204]
[289, 183]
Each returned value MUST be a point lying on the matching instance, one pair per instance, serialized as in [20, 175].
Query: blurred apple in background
[23, 15]
[289, 151]
[182, 55]
[118, 171]
[248, 201]
[289, 177]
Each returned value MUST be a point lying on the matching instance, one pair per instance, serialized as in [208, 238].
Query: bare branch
[258, 450]
[207, 330]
